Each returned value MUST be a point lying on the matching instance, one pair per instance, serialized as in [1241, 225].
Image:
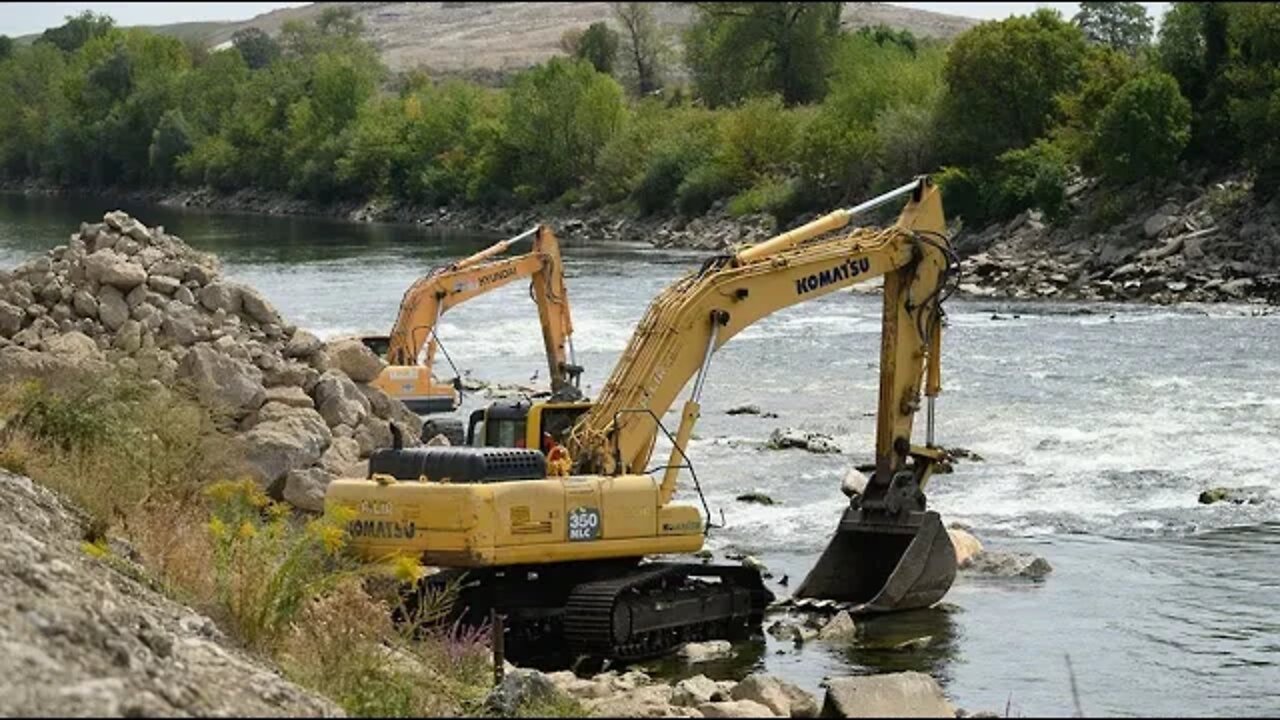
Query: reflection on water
[923, 640]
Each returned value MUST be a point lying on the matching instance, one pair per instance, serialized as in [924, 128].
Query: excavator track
[658, 607]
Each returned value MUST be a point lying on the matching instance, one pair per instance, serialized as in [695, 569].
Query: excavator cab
[523, 424]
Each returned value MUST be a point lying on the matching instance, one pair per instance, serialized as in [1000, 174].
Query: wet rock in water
[735, 709]
[785, 438]
[1009, 564]
[758, 498]
[914, 644]
[749, 409]
[796, 632]
[1251, 495]
[854, 483]
[966, 545]
[697, 652]
[839, 628]
[903, 694]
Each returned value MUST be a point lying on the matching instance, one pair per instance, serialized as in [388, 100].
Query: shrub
[1029, 177]
[776, 196]
[961, 193]
[701, 188]
[266, 568]
[1143, 129]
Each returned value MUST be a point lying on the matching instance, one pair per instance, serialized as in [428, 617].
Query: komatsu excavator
[411, 347]
[560, 543]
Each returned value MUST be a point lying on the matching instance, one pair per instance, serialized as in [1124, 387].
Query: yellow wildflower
[332, 537]
[217, 528]
[246, 530]
[407, 569]
[97, 549]
[278, 510]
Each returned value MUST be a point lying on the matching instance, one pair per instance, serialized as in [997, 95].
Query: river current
[1098, 426]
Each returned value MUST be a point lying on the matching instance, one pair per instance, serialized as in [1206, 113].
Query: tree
[1144, 129]
[77, 30]
[559, 116]
[6, 47]
[737, 49]
[598, 46]
[1003, 78]
[256, 47]
[1194, 47]
[643, 46]
[1122, 25]
[1253, 76]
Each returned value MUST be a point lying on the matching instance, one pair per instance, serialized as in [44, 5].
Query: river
[1099, 426]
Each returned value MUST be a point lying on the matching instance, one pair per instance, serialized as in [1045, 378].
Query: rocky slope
[78, 638]
[492, 39]
[122, 294]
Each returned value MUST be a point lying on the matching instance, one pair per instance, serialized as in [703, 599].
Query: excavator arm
[413, 339]
[688, 322]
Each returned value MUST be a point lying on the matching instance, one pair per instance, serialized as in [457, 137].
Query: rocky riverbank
[1194, 241]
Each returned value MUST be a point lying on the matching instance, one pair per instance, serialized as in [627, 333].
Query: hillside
[498, 37]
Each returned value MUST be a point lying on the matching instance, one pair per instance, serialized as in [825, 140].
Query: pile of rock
[814, 442]
[122, 294]
[1193, 248]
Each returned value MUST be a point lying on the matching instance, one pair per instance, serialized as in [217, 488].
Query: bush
[837, 160]
[1143, 130]
[776, 196]
[961, 193]
[701, 188]
[1033, 177]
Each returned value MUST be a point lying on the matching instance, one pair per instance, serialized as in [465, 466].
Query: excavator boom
[413, 343]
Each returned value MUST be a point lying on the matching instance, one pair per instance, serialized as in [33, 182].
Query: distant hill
[488, 38]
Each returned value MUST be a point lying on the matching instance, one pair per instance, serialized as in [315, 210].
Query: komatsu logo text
[381, 529]
[850, 268]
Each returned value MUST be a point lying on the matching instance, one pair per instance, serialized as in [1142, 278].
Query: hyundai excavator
[561, 543]
[410, 349]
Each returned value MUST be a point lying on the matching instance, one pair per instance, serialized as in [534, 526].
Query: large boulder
[521, 687]
[222, 296]
[106, 267]
[19, 364]
[221, 382]
[11, 318]
[112, 308]
[302, 345]
[304, 489]
[840, 628]
[255, 306]
[696, 652]
[284, 439]
[339, 401]
[694, 691]
[74, 346]
[1005, 564]
[353, 358]
[966, 545]
[766, 690]
[903, 694]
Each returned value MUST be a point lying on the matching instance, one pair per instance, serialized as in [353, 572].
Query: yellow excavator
[560, 542]
[410, 349]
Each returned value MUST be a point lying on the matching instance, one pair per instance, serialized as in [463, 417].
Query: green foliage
[1003, 79]
[6, 47]
[1254, 76]
[256, 47]
[76, 31]
[1105, 71]
[1194, 47]
[777, 196]
[737, 50]
[598, 45]
[1143, 130]
[882, 35]
[961, 193]
[1124, 26]
[170, 140]
[559, 117]
[1032, 177]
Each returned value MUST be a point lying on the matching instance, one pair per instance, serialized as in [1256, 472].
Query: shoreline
[1023, 259]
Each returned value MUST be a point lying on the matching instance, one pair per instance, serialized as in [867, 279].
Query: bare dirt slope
[500, 37]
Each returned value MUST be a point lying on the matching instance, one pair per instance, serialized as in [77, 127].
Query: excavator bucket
[872, 567]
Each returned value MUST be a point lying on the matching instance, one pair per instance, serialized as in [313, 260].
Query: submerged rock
[1009, 564]
[785, 438]
[758, 498]
[1252, 495]
[839, 628]
[697, 652]
[749, 409]
[966, 545]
